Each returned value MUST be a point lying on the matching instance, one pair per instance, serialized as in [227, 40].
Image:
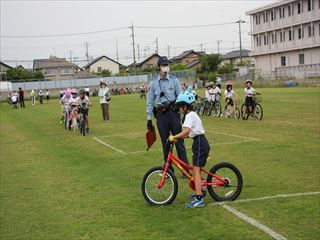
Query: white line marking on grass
[233, 135]
[270, 197]
[254, 222]
[108, 145]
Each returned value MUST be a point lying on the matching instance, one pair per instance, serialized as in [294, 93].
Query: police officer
[163, 91]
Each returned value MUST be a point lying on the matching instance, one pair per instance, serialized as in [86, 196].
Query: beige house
[103, 63]
[4, 67]
[189, 58]
[285, 38]
[55, 68]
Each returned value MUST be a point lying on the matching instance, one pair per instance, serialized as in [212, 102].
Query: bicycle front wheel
[244, 112]
[258, 112]
[231, 190]
[217, 109]
[152, 194]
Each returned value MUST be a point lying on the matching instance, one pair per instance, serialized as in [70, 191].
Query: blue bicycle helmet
[186, 97]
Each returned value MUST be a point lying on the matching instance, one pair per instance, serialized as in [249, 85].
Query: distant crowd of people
[18, 97]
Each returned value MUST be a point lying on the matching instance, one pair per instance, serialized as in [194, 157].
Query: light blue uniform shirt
[171, 88]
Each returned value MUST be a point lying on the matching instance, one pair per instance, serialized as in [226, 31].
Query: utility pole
[157, 46]
[70, 56]
[201, 47]
[87, 52]
[117, 50]
[239, 22]
[168, 51]
[218, 42]
[133, 46]
[138, 53]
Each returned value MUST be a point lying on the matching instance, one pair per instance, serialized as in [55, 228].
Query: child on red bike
[193, 128]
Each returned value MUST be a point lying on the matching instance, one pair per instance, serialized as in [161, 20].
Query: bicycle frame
[182, 166]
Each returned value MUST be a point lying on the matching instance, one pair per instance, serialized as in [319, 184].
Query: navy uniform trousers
[169, 122]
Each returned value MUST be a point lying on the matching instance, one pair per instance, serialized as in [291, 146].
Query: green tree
[105, 73]
[18, 74]
[178, 67]
[226, 68]
[210, 63]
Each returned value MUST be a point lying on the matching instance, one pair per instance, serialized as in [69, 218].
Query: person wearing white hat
[104, 99]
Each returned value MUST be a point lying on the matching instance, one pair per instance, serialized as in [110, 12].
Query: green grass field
[56, 184]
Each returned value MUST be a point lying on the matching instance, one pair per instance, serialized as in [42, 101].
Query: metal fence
[93, 82]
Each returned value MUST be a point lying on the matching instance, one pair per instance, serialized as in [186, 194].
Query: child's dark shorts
[200, 150]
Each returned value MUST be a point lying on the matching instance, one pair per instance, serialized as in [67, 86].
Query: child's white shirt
[207, 95]
[14, 98]
[216, 94]
[249, 91]
[228, 94]
[194, 123]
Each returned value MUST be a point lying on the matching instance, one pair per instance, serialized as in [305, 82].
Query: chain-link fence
[119, 81]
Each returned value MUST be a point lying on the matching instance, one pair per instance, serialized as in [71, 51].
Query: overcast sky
[60, 17]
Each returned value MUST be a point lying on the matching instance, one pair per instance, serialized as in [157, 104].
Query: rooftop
[269, 6]
[236, 54]
[186, 53]
[52, 62]
[99, 58]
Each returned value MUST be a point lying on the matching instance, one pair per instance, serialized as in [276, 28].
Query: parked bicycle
[160, 186]
[212, 107]
[255, 110]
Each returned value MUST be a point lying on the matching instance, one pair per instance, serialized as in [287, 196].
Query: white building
[285, 38]
[103, 63]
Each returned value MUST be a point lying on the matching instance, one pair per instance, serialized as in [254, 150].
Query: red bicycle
[160, 185]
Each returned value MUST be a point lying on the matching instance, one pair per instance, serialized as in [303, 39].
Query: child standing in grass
[193, 128]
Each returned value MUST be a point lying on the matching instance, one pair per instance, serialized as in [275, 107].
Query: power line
[188, 26]
[63, 34]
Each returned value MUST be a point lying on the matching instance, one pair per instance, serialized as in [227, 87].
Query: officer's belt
[165, 108]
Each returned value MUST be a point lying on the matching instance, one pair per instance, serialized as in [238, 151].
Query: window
[299, 8]
[271, 15]
[312, 30]
[289, 10]
[280, 36]
[264, 40]
[309, 31]
[268, 38]
[257, 20]
[267, 16]
[283, 61]
[309, 5]
[99, 69]
[283, 12]
[257, 38]
[284, 35]
[272, 38]
[280, 13]
[299, 33]
[275, 38]
[301, 58]
[290, 35]
[264, 17]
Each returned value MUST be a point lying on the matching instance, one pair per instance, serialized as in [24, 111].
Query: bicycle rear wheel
[231, 190]
[152, 194]
[65, 119]
[244, 112]
[258, 112]
[236, 113]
